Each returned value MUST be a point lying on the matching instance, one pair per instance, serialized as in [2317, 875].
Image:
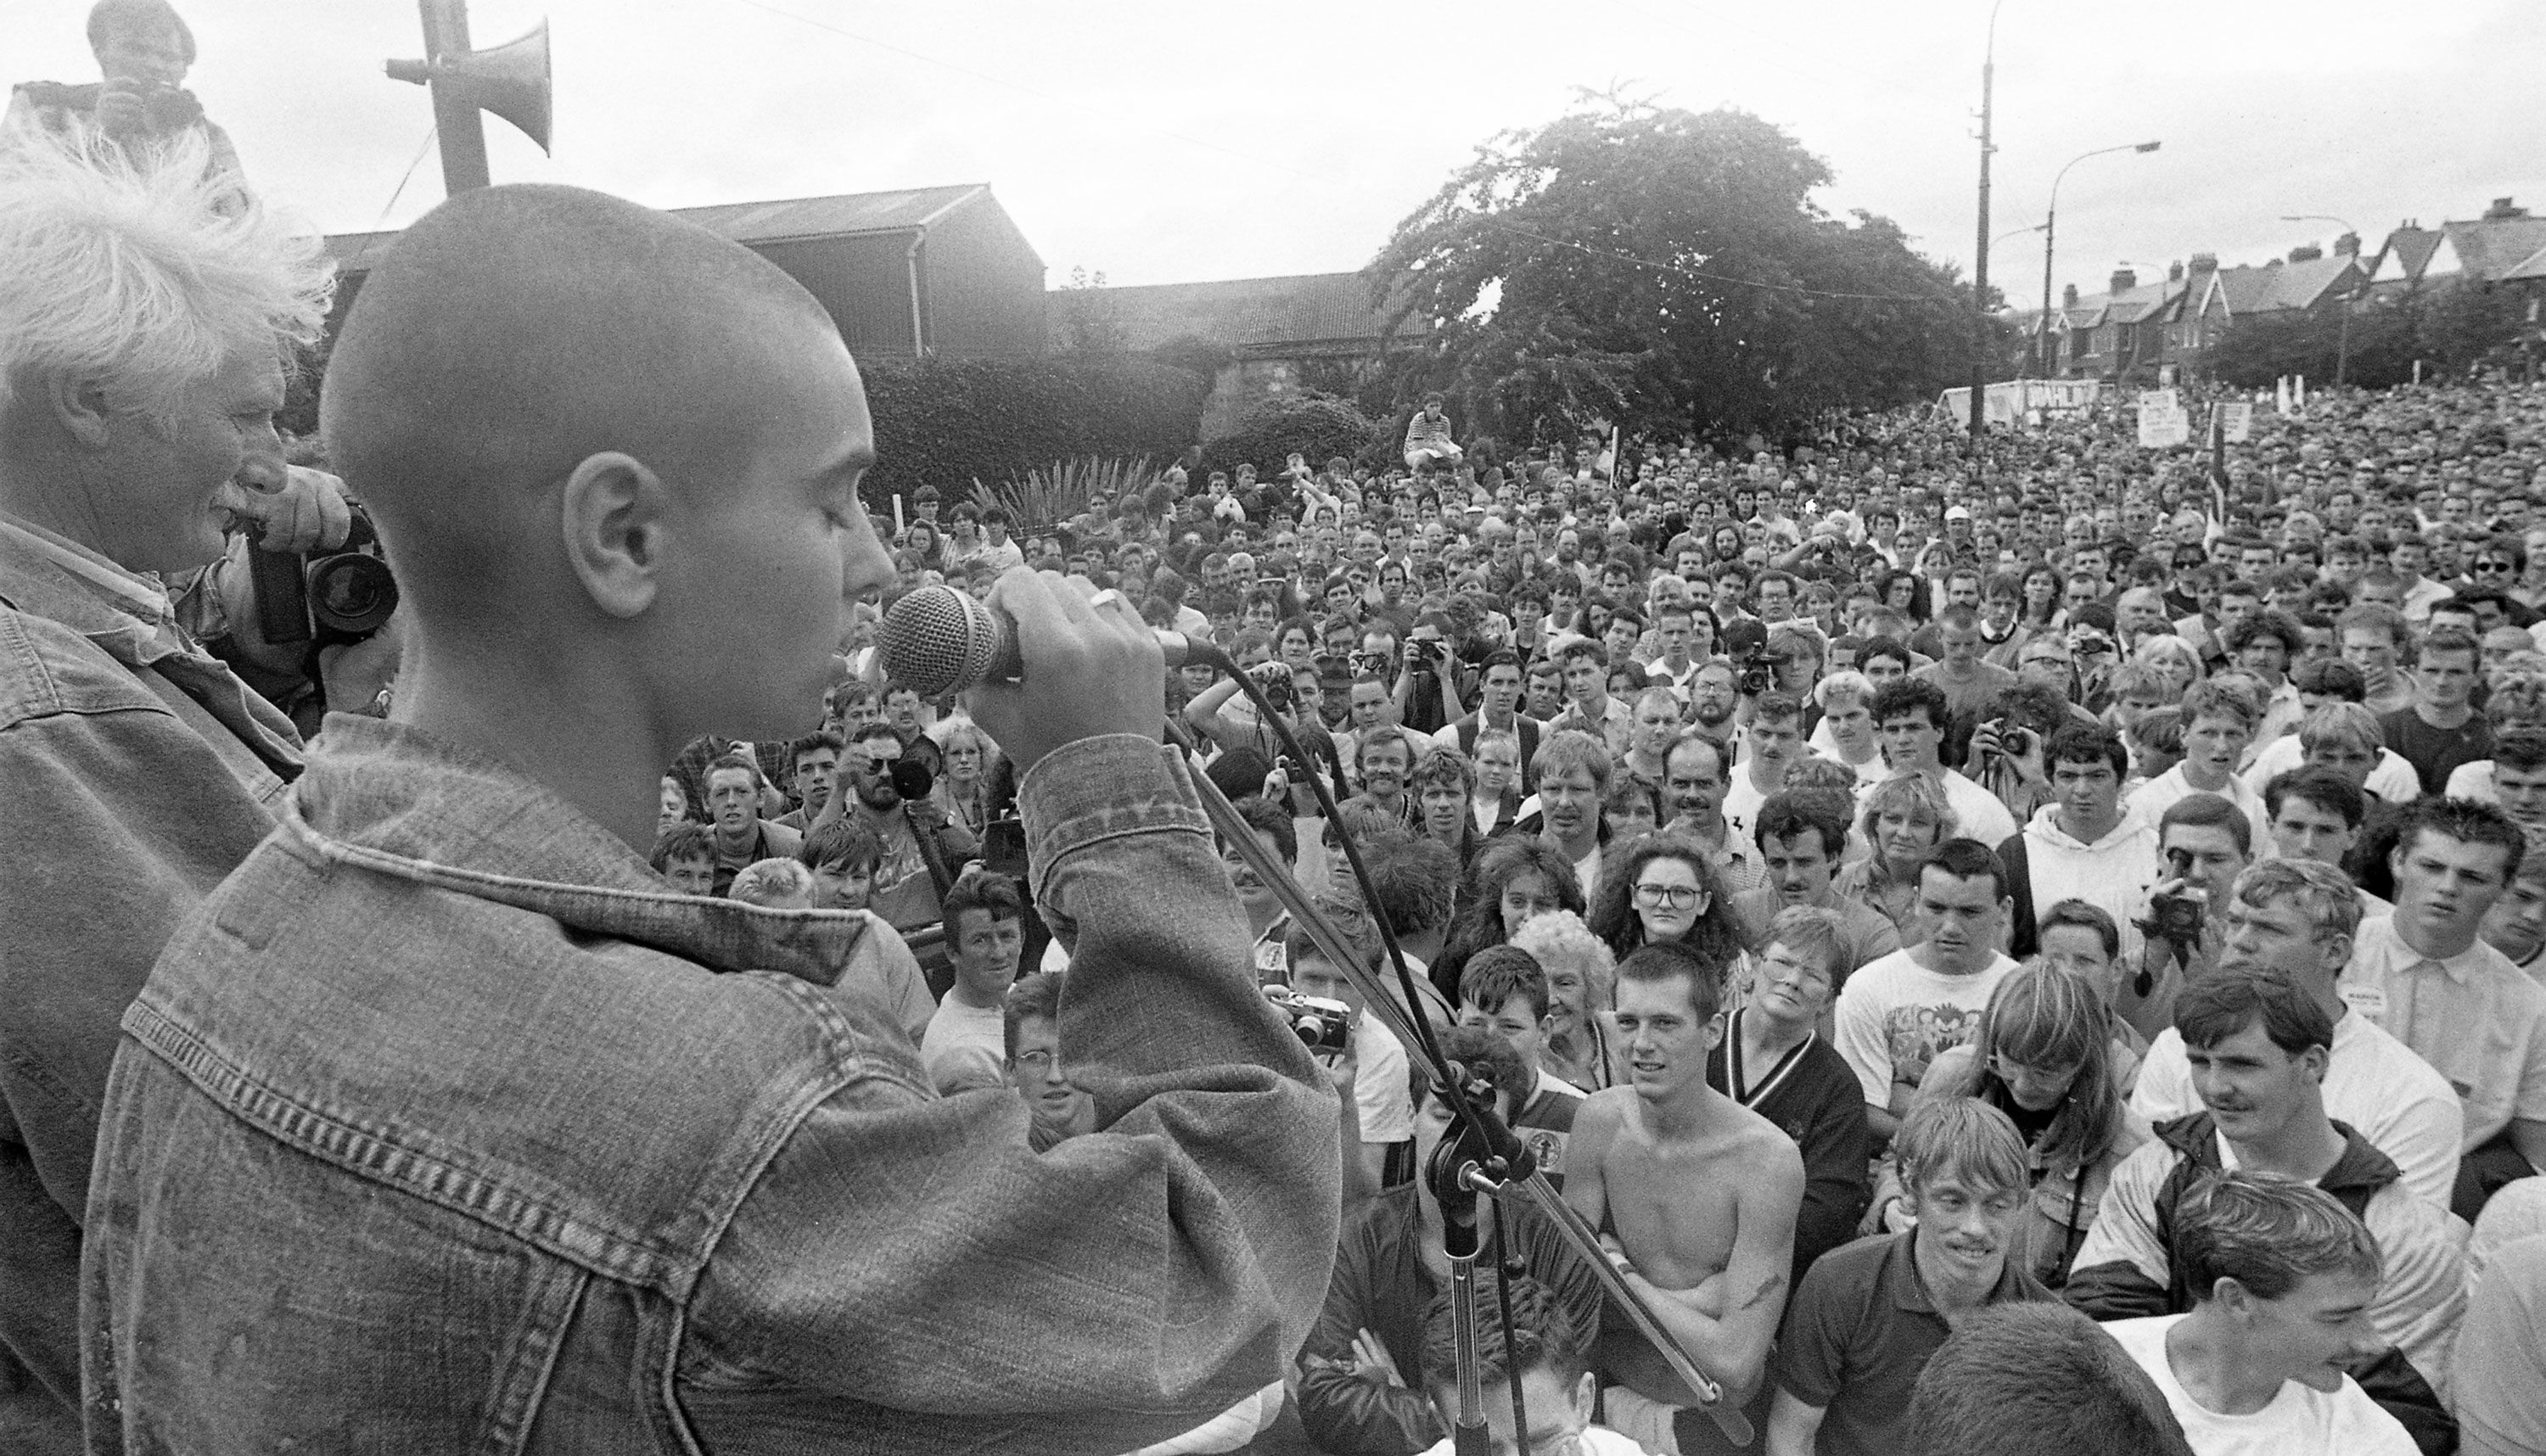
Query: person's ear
[613, 520]
[79, 405]
[1585, 1391]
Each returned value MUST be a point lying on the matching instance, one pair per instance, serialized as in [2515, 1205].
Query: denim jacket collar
[129, 618]
[395, 800]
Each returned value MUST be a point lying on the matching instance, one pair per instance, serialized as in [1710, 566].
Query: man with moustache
[1801, 833]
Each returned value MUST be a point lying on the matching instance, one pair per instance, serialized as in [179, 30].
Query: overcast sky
[1162, 142]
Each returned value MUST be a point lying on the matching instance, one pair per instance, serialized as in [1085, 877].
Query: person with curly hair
[1512, 879]
[1664, 890]
[1903, 819]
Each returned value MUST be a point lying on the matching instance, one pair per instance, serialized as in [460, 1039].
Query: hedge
[1318, 426]
[947, 423]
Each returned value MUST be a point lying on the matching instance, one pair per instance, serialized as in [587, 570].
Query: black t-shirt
[2435, 752]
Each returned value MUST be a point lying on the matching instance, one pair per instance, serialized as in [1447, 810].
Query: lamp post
[2050, 230]
[2350, 296]
[1979, 266]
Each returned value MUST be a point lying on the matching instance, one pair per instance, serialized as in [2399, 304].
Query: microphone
[940, 641]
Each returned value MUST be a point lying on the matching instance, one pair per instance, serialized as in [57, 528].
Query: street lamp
[2351, 296]
[2050, 219]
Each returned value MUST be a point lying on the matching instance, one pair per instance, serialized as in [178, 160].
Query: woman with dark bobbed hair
[1512, 879]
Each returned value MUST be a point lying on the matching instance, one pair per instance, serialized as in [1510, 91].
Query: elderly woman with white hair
[146, 318]
[1581, 983]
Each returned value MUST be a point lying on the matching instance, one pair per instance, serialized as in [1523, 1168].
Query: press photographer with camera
[2204, 843]
[143, 50]
[140, 770]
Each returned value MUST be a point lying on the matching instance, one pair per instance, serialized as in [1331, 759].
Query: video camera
[1746, 641]
[338, 598]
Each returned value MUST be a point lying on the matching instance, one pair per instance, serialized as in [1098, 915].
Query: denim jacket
[445, 1126]
[135, 773]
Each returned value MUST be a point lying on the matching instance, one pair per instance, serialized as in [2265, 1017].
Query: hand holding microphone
[1095, 666]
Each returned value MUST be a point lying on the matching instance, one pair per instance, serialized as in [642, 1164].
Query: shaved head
[600, 438]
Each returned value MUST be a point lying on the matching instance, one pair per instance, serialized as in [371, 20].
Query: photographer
[140, 770]
[2204, 843]
[143, 50]
[1426, 690]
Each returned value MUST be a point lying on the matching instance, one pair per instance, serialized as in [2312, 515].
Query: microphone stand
[1416, 1032]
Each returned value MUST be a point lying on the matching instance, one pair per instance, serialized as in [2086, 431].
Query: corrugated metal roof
[844, 215]
[1301, 309]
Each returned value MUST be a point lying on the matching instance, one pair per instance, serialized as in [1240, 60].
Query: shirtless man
[1695, 1196]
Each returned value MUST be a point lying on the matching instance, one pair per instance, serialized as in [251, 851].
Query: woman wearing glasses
[1663, 889]
[2045, 1056]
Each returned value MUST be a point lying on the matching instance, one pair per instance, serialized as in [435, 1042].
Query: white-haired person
[1581, 983]
[147, 320]
[1845, 732]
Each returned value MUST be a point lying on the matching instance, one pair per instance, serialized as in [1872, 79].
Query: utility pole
[2050, 230]
[455, 126]
[1981, 245]
[2350, 296]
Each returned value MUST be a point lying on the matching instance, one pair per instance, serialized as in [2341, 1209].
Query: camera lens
[352, 594]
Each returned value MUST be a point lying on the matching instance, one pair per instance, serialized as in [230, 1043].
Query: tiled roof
[747, 222]
[2491, 248]
[2412, 248]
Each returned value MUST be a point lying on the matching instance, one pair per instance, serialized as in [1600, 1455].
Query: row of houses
[2132, 330]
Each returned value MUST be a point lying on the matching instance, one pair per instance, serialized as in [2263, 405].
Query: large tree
[1665, 270]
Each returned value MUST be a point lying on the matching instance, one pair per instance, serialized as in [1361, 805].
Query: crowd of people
[2028, 943]
[2124, 822]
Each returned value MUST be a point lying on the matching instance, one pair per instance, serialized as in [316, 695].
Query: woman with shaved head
[447, 1116]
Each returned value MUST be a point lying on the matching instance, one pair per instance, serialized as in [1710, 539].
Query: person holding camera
[1426, 690]
[140, 770]
[143, 50]
[2204, 842]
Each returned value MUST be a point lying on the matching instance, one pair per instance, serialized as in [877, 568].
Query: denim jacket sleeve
[1118, 1289]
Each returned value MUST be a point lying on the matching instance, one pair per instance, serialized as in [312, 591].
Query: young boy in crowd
[1503, 990]
[685, 854]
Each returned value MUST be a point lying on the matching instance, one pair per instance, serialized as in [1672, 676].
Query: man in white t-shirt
[2282, 1277]
[1898, 1012]
[2298, 917]
[1913, 716]
[1774, 739]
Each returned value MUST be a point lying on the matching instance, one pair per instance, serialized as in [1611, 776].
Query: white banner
[2236, 422]
[2163, 401]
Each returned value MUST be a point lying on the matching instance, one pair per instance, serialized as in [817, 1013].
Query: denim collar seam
[374, 1152]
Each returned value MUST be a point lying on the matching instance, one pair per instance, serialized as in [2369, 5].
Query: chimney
[2124, 279]
[2174, 271]
[2069, 295]
[2503, 212]
[2347, 245]
[2204, 264]
[2305, 253]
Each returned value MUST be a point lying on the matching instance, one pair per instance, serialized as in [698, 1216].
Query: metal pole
[1979, 269]
[2050, 228]
[2350, 296]
[456, 121]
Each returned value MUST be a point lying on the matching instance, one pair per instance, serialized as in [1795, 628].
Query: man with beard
[1713, 698]
[1801, 835]
[1382, 757]
[1698, 1196]
[922, 848]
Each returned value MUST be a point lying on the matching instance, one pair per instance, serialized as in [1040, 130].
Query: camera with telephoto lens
[1322, 1024]
[330, 599]
[1274, 679]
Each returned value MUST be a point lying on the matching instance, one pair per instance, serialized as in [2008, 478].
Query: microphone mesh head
[937, 639]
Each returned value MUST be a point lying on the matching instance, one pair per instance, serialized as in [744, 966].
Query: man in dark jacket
[2258, 1044]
